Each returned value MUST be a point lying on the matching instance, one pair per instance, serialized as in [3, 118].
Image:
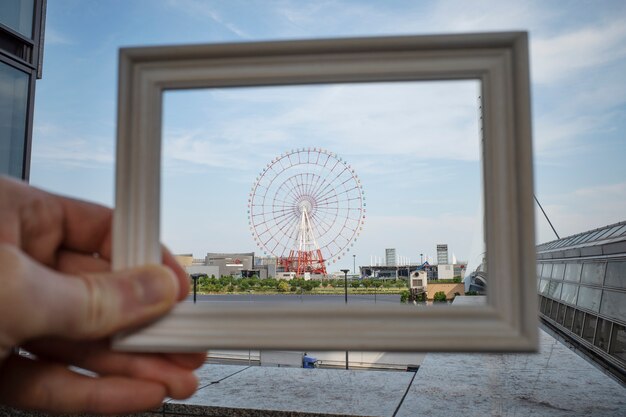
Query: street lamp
[345, 282]
[354, 264]
[195, 284]
[421, 258]
[345, 287]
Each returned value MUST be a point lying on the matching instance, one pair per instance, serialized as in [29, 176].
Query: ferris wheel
[307, 208]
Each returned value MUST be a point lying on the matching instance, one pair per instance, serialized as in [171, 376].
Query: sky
[414, 147]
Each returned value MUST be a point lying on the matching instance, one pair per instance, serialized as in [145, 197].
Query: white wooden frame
[499, 60]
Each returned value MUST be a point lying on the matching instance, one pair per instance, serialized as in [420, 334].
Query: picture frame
[507, 322]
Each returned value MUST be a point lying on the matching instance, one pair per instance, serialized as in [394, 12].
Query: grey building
[442, 254]
[581, 280]
[21, 52]
[390, 257]
[231, 263]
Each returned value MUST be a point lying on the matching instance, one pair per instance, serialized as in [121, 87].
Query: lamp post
[195, 284]
[421, 258]
[345, 282]
[345, 287]
[354, 264]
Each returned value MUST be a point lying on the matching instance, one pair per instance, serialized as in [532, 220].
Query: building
[581, 280]
[21, 53]
[442, 254]
[445, 271]
[390, 257]
[231, 263]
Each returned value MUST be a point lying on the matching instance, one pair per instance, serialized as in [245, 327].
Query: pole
[546, 216]
[375, 293]
[354, 264]
[345, 287]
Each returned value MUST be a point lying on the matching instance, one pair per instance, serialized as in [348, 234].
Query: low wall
[449, 289]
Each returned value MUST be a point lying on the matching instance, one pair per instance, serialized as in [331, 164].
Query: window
[555, 310]
[18, 15]
[577, 324]
[616, 274]
[572, 272]
[614, 305]
[589, 327]
[554, 289]
[560, 316]
[593, 273]
[569, 292]
[547, 271]
[589, 298]
[13, 115]
[543, 305]
[557, 271]
[569, 318]
[543, 286]
[618, 342]
[539, 266]
[603, 334]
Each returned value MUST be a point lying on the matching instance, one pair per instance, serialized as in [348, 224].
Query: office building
[390, 257]
[581, 281]
[442, 254]
[21, 52]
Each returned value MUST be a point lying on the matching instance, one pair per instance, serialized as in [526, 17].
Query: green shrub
[404, 296]
[439, 297]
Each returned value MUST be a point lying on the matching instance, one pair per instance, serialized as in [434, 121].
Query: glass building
[582, 293]
[21, 53]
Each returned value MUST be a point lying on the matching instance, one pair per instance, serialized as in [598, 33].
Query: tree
[439, 297]
[355, 284]
[404, 296]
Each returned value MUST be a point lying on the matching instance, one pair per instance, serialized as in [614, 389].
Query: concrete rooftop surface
[554, 382]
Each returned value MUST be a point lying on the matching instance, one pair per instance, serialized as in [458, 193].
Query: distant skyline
[578, 67]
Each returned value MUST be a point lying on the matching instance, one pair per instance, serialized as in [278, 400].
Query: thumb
[42, 302]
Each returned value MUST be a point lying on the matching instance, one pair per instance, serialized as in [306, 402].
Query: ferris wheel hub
[305, 204]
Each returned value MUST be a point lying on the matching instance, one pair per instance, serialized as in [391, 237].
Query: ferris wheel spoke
[272, 219]
[309, 181]
[328, 223]
[328, 175]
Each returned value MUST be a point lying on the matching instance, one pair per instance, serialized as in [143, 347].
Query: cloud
[52, 143]
[54, 37]
[560, 57]
[583, 209]
[200, 9]
[423, 120]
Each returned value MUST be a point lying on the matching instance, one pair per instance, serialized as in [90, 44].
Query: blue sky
[578, 67]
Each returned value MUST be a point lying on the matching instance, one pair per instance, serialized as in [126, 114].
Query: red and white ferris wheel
[307, 208]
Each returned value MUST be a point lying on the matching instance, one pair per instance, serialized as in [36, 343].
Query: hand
[60, 301]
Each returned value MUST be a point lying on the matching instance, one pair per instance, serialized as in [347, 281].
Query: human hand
[60, 301]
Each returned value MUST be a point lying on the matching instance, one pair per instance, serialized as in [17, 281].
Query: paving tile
[302, 391]
[213, 373]
[553, 382]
